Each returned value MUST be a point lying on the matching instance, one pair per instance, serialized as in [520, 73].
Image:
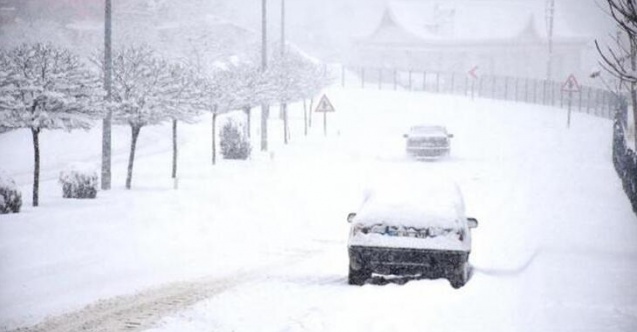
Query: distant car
[417, 228]
[428, 141]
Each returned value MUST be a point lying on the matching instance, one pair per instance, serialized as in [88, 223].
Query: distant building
[506, 38]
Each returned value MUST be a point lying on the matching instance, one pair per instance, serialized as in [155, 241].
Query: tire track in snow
[555, 251]
[507, 272]
[138, 312]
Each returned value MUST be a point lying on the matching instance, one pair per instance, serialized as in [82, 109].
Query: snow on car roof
[421, 202]
[425, 130]
[426, 127]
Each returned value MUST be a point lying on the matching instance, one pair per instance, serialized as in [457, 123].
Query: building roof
[453, 21]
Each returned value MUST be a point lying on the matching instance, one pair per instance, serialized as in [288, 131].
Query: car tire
[358, 277]
[461, 276]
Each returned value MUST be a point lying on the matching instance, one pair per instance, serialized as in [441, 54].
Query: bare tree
[184, 101]
[297, 78]
[45, 87]
[142, 93]
[236, 86]
[621, 61]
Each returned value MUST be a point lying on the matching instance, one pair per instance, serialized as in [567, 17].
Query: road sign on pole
[473, 72]
[325, 106]
[570, 86]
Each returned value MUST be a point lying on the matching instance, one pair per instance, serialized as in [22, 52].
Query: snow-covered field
[260, 245]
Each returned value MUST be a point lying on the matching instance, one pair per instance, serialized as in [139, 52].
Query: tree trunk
[309, 118]
[305, 116]
[174, 174]
[131, 158]
[214, 137]
[36, 165]
[265, 113]
[248, 112]
[286, 129]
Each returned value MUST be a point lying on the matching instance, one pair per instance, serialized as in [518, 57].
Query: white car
[413, 228]
[428, 141]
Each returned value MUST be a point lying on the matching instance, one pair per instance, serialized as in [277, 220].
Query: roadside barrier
[589, 100]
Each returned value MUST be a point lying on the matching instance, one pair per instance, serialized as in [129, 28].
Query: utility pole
[265, 108]
[282, 27]
[284, 108]
[106, 123]
[550, 14]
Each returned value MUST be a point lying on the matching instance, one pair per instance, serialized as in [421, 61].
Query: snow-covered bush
[10, 196]
[79, 180]
[234, 143]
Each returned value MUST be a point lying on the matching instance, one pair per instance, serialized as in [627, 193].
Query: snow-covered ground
[261, 244]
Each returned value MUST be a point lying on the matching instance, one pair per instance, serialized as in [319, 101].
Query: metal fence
[594, 101]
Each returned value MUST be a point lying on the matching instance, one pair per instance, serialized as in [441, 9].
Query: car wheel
[461, 276]
[358, 277]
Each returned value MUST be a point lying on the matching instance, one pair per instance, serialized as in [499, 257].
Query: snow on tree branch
[46, 87]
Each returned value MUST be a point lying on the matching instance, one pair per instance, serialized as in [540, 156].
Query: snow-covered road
[265, 240]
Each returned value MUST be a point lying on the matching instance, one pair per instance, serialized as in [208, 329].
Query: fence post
[604, 103]
[552, 93]
[480, 79]
[343, 75]
[506, 87]
[395, 83]
[597, 101]
[543, 92]
[515, 95]
[362, 78]
[588, 100]
[534, 91]
[424, 81]
[466, 86]
[493, 86]
[561, 98]
[526, 90]
[438, 82]
[579, 108]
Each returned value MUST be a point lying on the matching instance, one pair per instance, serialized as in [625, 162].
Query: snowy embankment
[555, 249]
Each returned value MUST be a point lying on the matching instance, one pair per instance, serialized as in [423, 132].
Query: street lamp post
[284, 106]
[550, 15]
[106, 123]
[265, 108]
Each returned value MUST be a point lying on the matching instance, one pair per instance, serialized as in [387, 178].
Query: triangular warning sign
[324, 105]
[571, 84]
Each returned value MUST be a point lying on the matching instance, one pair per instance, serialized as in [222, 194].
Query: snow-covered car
[417, 228]
[428, 141]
